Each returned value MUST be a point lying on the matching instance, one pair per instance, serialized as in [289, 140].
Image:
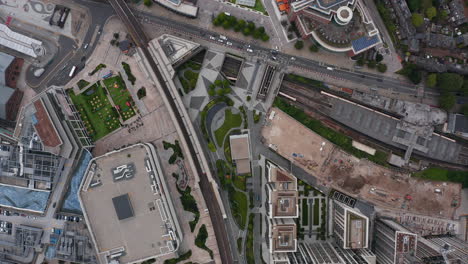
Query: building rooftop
[44, 126]
[250, 3]
[123, 206]
[283, 180]
[283, 237]
[19, 42]
[240, 152]
[363, 43]
[461, 123]
[133, 215]
[284, 203]
[356, 228]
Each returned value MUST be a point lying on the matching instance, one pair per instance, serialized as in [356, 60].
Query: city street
[363, 78]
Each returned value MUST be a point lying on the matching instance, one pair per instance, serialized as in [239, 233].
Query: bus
[72, 72]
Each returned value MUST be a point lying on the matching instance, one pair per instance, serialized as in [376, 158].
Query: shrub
[248, 98]
[371, 64]
[141, 92]
[128, 71]
[431, 80]
[299, 44]
[313, 48]
[148, 3]
[200, 240]
[378, 57]
[382, 67]
[82, 84]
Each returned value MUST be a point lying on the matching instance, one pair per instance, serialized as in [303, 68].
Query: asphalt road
[69, 54]
[369, 79]
[135, 29]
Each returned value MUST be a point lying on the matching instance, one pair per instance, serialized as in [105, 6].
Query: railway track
[141, 40]
[317, 107]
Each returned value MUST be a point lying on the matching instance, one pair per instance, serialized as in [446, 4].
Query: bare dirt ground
[361, 178]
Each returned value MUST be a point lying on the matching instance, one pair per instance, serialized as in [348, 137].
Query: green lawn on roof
[121, 96]
[230, 121]
[96, 111]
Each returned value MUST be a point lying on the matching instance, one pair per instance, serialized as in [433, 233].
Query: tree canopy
[449, 82]
[431, 12]
[431, 80]
[299, 44]
[417, 19]
[447, 101]
[464, 109]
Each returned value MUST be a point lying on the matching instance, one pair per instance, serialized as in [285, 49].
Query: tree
[412, 72]
[265, 37]
[227, 90]
[450, 82]
[251, 25]
[248, 98]
[417, 19]
[382, 67]
[299, 44]
[211, 92]
[112, 42]
[148, 3]
[226, 83]
[378, 57]
[361, 61]
[227, 24]
[220, 92]
[116, 35]
[447, 101]
[219, 20]
[247, 31]
[465, 87]
[464, 109]
[313, 48]
[431, 12]
[218, 83]
[414, 5]
[431, 80]
[371, 64]
[442, 15]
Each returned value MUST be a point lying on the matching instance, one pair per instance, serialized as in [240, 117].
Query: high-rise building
[393, 243]
[350, 227]
[283, 209]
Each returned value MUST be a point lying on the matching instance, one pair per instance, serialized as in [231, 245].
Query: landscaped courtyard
[97, 113]
[96, 110]
[120, 96]
[230, 121]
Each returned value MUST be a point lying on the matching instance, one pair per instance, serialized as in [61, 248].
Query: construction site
[360, 178]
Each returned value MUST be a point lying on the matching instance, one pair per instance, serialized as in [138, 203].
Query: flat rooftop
[283, 180]
[44, 126]
[284, 237]
[356, 230]
[284, 203]
[128, 212]
[240, 152]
